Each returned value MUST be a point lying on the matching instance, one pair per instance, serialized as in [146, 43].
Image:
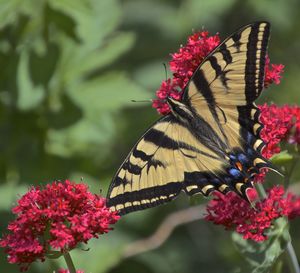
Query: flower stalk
[289, 251]
[69, 262]
[292, 258]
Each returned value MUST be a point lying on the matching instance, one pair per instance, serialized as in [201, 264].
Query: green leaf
[47, 61]
[60, 118]
[10, 10]
[282, 158]
[196, 200]
[96, 185]
[110, 92]
[102, 254]
[262, 256]
[163, 13]
[151, 75]
[29, 94]
[105, 55]
[95, 19]
[87, 138]
[9, 192]
[62, 21]
[79, 61]
[279, 13]
[201, 12]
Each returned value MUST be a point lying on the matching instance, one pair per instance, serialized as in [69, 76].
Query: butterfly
[210, 141]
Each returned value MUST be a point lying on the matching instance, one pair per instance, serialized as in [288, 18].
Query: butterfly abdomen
[179, 110]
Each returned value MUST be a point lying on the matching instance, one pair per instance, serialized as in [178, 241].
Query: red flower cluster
[294, 205]
[233, 212]
[294, 135]
[59, 216]
[277, 122]
[187, 59]
[272, 72]
[183, 65]
[280, 122]
[185, 62]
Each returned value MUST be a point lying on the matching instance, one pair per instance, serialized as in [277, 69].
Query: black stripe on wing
[236, 37]
[255, 67]
[203, 87]
[160, 139]
[219, 72]
[225, 53]
[146, 198]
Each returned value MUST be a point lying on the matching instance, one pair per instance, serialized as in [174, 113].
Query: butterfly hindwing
[164, 161]
[143, 181]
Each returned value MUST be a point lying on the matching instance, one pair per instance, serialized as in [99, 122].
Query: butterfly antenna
[165, 71]
[141, 100]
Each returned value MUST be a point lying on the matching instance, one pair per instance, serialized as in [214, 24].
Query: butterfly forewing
[235, 65]
[225, 85]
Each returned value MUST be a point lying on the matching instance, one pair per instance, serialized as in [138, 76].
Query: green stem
[292, 258]
[69, 262]
[289, 251]
[261, 190]
[289, 173]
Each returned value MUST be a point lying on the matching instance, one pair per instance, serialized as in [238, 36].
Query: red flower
[232, 211]
[294, 137]
[183, 64]
[188, 58]
[59, 216]
[272, 72]
[277, 122]
[294, 205]
[280, 122]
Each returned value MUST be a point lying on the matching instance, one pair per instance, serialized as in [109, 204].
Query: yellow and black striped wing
[222, 93]
[167, 159]
[220, 149]
[233, 74]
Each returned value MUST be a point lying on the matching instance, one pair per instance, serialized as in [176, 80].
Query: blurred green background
[69, 70]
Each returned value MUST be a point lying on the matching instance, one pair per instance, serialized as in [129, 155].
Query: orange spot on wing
[239, 165]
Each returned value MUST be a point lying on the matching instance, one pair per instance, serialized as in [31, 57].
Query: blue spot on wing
[235, 173]
[242, 158]
[232, 157]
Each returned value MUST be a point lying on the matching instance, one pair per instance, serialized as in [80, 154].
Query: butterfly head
[179, 109]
